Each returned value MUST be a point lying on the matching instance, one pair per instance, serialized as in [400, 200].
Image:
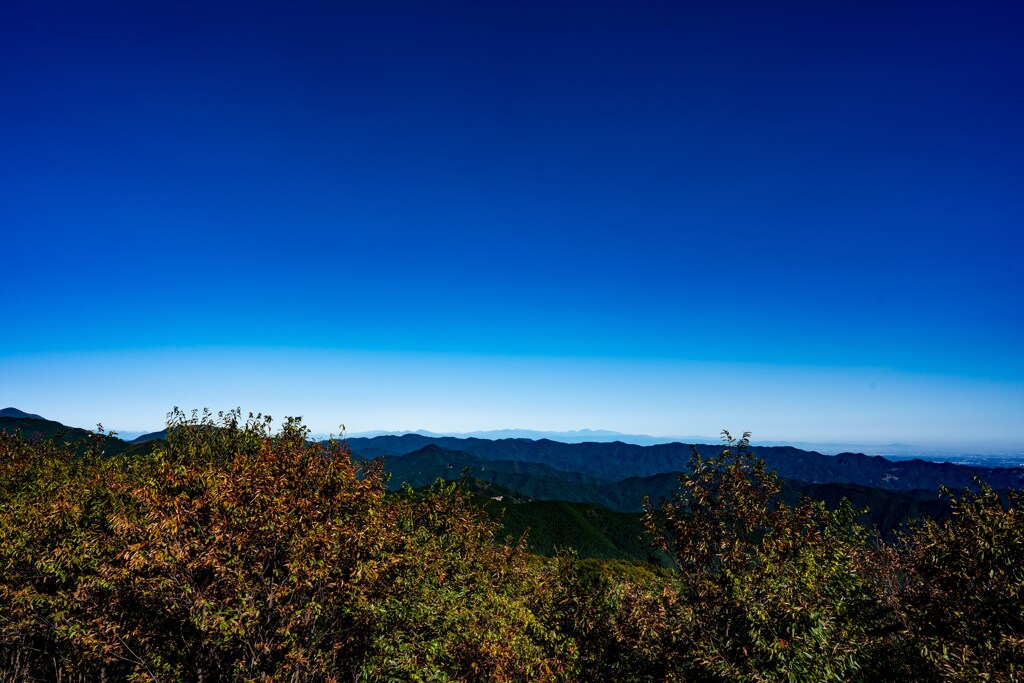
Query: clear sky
[800, 218]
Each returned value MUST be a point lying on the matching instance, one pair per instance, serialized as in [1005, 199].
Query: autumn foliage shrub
[774, 591]
[960, 589]
[238, 553]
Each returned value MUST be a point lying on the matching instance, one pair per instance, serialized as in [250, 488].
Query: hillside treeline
[236, 553]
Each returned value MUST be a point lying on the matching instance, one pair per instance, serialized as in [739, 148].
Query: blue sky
[645, 216]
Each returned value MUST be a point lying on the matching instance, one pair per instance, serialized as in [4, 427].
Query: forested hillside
[616, 461]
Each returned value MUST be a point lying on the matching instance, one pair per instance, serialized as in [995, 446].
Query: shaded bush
[776, 592]
[960, 588]
[236, 553]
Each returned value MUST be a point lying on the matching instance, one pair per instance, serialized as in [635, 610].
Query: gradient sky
[800, 218]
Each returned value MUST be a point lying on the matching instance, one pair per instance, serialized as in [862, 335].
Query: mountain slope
[887, 509]
[20, 414]
[590, 530]
[616, 461]
[152, 436]
[535, 480]
[37, 429]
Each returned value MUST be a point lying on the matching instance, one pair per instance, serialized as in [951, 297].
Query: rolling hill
[20, 414]
[616, 461]
[529, 484]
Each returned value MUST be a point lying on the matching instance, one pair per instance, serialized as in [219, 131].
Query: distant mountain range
[588, 495]
[889, 450]
[617, 461]
[615, 477]
[41, 428]
[901, 450]
[612, 461]
[572, 436]
[527, 494]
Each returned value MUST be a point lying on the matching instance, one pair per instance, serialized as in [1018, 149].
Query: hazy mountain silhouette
[616, 461]
[20, 414]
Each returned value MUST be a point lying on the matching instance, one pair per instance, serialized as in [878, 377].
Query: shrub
[238, 554]
[961, 587]
[776, 592]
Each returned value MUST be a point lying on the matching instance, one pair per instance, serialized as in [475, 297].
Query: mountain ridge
[617, 460]
[19, 414]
